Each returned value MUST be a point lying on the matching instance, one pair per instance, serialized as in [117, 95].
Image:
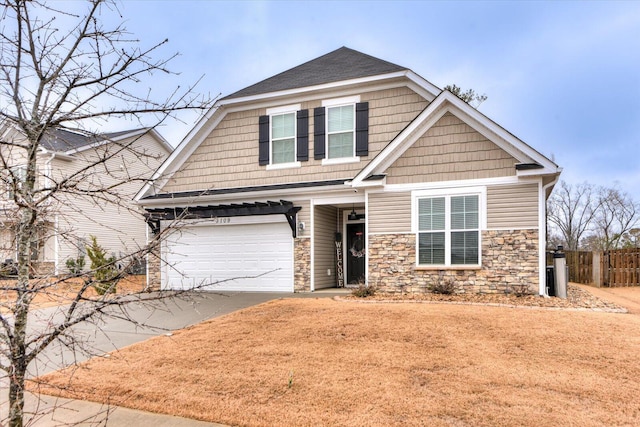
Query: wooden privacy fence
[619, 267]
[580, 265]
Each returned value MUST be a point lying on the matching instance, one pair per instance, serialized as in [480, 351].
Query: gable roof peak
[341, 64]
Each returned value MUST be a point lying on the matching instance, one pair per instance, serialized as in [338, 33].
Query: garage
[253, 254]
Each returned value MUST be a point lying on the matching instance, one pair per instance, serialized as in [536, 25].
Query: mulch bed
[577, 298]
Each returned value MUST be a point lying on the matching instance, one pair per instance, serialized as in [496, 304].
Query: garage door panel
[208, 254]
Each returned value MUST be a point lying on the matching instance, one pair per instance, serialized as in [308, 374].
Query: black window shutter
[362, 129]
[302, 137]
[318, 133]
[263, 140]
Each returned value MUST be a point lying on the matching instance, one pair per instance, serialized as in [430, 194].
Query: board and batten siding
[228, 157]
[512, 206]
[451, 150]
[389, 212]
[325, 226]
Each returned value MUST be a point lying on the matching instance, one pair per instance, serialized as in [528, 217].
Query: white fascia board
[423, 87]
[165, 144]
[152, 131]
[538, 172]
[105, 141]
[316, 88]
[183, 151]
[299, 193]
[436, 185]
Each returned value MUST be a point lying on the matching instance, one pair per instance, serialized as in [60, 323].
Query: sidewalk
[57, 412]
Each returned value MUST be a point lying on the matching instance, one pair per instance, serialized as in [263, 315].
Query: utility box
[561, 277]
[551, 282]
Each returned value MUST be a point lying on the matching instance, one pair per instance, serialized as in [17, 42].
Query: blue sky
[562, 76]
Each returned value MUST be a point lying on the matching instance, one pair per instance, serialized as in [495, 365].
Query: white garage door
[230, 257]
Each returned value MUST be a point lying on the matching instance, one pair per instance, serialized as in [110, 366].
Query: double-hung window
[18, 176]
[283, 138]
[448, 230]
[341, 127]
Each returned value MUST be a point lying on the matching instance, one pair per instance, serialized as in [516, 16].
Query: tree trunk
[19, 357]
[16, 394]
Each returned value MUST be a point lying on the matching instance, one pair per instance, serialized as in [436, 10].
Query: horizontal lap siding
[304, 215]
[228, 157]
[512, 206]
[389, 212]
[118, 223]
[451, 150]
[325, 219]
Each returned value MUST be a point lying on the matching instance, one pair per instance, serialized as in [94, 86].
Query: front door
[355, 253]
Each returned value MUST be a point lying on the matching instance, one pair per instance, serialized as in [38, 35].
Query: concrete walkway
[154, 319]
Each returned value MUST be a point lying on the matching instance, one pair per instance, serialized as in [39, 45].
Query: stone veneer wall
[509, 257]
[302, 264]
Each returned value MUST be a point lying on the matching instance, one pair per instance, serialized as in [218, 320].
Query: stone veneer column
[302, 264]
[153, 269]
[509, 258]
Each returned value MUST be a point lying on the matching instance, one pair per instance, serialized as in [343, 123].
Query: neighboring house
[87, 163]
[348, 169]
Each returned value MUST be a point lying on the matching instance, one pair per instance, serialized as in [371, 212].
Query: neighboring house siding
[389, 212]
[228, 157]
[7, 245]
[451, 150]
[118, 224]
[512, 206]
[325, 218]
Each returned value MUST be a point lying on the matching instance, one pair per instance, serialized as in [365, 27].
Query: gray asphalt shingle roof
[341, 64]
[61, 140]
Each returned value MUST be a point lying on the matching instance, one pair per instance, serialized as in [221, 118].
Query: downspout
[542, 220]
[56, 243]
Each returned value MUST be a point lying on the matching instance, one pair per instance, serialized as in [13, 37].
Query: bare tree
[571, 210]
[59, 70]
[592, 218]
[617, 215]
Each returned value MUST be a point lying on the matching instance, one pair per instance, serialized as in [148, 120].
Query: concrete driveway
[152, 318]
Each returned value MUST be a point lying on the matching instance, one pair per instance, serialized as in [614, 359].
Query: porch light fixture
[353, 216]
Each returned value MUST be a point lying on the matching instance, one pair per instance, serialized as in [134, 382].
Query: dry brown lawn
[59, 293]
[304, 362]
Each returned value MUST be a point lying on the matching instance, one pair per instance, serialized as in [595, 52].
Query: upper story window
[341, 131]
[448, 230]
[283, 138]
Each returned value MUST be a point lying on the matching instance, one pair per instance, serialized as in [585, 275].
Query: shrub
[363, 291]
[520, 290]
[105, 273]
[75, 265]
[444, 286]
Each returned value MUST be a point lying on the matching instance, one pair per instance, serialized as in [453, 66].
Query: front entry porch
[339, 246]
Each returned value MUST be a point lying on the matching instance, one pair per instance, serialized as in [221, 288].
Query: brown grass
[324, 362]
[64, 292]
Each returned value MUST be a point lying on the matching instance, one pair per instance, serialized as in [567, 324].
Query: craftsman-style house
[349, 169]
